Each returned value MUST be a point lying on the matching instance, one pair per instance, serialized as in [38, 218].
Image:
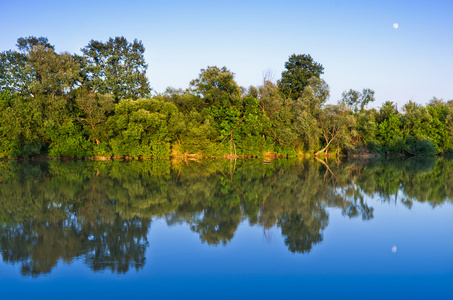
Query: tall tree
[217, 87]
[116, 67]
[299, 69]
[37, 69]
[53, 74]
[15, 77]
[222, 98]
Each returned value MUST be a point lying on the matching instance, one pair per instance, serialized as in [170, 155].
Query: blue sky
[354, 40]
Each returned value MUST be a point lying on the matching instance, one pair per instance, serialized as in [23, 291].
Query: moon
[395, 25]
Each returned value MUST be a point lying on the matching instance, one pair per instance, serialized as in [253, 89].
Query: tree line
[100, 103]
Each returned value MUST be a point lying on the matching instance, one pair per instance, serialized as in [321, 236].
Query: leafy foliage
[141, 128]
[116, 67]
[357, 100]
[299, 69]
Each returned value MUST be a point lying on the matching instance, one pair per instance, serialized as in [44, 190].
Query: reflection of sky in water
[353, 260]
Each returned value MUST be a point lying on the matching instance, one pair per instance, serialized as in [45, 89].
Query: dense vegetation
[101, 212]
[100, 104]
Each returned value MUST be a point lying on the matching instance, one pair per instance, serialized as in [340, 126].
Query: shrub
[102, 149]
[375, 146]
[69, 141]
[422, 146]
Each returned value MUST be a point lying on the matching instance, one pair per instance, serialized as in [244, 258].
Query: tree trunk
[328, 143]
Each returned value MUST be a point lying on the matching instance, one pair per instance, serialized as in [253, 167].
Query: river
[220, 229]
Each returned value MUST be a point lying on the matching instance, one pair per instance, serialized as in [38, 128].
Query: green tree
[95, 108]
[299, 69]
[307, 110]
[426, 123]
[280, 113]
[194, 128]
[356, 100]
[390, 134]
[116, 67]
[13, 75]
[271, 100]
[22, 122]
[254, 129]
[366, 125]
[217, 87]
[53, 74]
[416, 121]
[387, 109]
[337, 125]
[438, 110]
[141, 128]
[37, 69]
[221, 97]
[25, 45]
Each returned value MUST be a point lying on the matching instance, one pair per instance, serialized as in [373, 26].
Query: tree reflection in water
[117, 246]
[100, 212]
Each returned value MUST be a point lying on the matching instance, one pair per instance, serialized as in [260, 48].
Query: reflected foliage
[100, 212]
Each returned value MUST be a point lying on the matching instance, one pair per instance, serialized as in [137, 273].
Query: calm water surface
[216, 229]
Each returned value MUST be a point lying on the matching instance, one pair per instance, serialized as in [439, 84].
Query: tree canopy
[116, 67]
[299, 69]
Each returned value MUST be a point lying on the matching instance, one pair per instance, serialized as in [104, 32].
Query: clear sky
[355, 41]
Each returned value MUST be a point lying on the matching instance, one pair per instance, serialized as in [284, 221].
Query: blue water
[399, 253]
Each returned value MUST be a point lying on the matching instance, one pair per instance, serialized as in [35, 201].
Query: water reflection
[100, 212]
[37, 246]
